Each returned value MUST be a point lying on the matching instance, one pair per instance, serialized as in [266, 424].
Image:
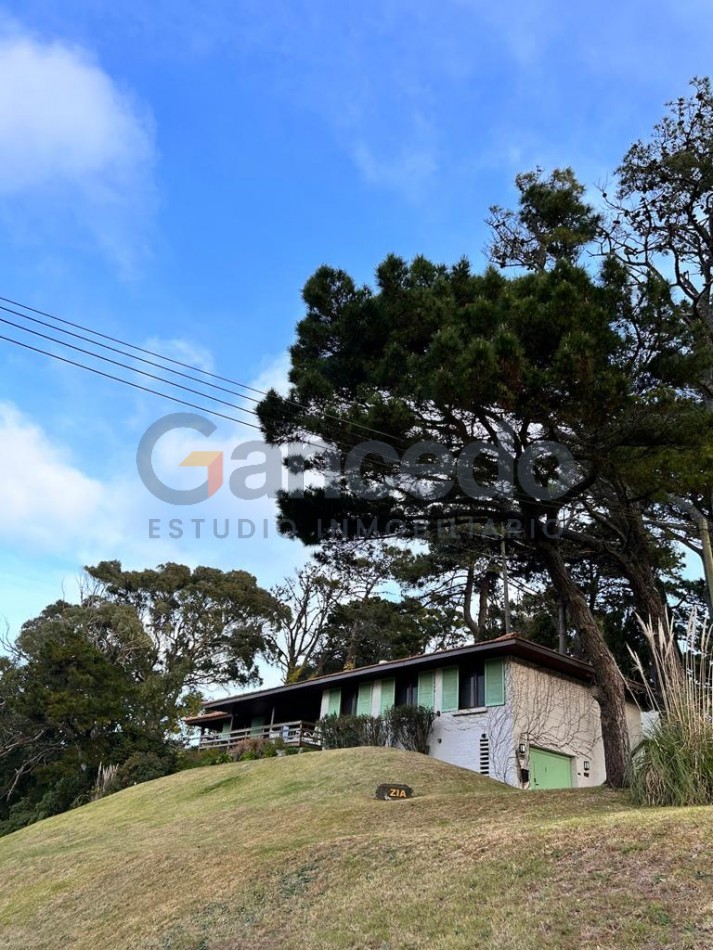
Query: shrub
[347, 732]
[673, 765]
[141, 767]
[406, 726]
[410, 727]
[197, 758]
[374, 730]
[105, 783]
[339, 732]
[249, 749]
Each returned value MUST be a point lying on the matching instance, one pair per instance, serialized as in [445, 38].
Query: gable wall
[552, 711]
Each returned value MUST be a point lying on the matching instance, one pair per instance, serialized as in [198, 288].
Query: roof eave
[509, 645]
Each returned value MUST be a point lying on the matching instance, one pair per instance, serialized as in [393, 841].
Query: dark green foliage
[194, 758]
[552, 223]
[204, 625]
[107, 682]
[410, 727]
[248, 749]
[346, 732]
[361, 633]
[406, 726]
[144, 767]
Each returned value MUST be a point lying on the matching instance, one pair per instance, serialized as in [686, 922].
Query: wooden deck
[295, 734]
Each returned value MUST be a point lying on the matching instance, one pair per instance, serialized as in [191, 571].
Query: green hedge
[405, 726]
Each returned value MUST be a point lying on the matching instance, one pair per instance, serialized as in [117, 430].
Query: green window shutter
[256, 725]
[334, 702]
[427, 690]
[388, 695]
[364, 700]
[494, 683]
[449, 689]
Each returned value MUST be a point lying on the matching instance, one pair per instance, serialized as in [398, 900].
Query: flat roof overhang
[205, 719]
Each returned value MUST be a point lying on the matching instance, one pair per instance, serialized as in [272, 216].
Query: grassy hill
[295, 852]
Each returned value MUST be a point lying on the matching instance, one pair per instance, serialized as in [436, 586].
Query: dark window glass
[349, 700]
[406, 691]
[471, 682]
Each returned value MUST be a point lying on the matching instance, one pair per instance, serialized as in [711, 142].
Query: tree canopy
[492, 380]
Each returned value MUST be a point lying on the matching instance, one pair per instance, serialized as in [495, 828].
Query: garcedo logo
[212, 461]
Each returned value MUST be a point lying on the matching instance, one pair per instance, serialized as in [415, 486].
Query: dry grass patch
[295, 852]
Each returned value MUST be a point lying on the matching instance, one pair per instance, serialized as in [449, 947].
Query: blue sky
[171, 174]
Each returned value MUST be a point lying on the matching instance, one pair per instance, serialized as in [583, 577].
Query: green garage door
[550, 769]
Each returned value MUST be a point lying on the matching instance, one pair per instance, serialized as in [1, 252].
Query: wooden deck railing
[296, 733]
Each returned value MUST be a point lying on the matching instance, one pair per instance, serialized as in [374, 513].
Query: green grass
[295, 852]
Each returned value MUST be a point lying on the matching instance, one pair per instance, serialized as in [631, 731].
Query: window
[406, 691]
[471, 692]
[482, 684]
[334, 701]
[349, 701]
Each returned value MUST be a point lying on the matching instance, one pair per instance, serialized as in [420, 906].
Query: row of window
[465, 687]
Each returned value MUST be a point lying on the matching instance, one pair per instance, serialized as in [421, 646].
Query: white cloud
[57, 517]
[273, 374]
[61, 117]
[74, 143]
[45, 498]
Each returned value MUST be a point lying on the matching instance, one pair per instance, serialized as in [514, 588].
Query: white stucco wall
[542, 708]
[552, 711]
[456, 736]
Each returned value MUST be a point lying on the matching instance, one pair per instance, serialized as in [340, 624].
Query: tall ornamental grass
[673, 764]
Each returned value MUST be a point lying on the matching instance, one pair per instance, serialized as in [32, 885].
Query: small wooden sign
[393, 792]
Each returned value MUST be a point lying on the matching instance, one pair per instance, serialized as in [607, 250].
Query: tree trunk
[468, 604]
[477, 627]
[704, 534]
[636, 566]
[610, 692]
[483, 595]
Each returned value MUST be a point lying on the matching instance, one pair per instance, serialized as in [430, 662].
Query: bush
[141, 767]
[347, 732]
[673, 765]
[105, 783]
[198, 758]
[249, 749]
[68, 792]
[405, 726]
[410, 727]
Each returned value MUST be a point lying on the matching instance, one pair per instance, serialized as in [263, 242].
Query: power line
[127, 382]
[160, 379]
[146, 389]
[114, 349]
[132, 346]
[131, 369]
[194, 369]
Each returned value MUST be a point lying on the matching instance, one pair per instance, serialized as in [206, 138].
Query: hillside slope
[296, 852]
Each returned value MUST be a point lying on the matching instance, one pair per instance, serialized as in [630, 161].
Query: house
[508, 708]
